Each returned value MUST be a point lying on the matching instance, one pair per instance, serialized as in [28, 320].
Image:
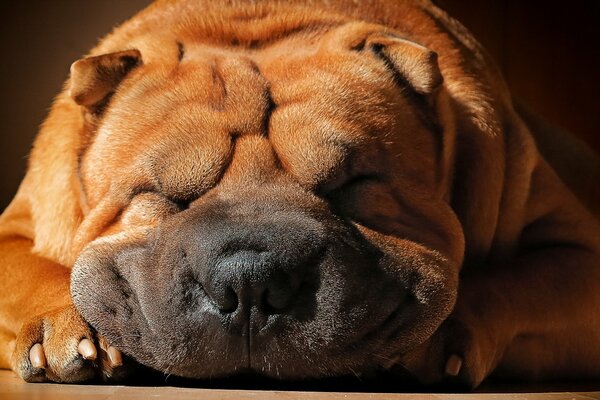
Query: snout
[228, 278]
[250, 267]
[265, 282]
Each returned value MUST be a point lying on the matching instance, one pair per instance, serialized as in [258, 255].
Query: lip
[393, 321]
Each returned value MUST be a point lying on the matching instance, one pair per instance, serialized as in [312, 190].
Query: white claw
[453, 365]
[37, 356]
[87, 349]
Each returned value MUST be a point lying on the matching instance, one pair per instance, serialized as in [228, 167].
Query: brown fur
[479, 194]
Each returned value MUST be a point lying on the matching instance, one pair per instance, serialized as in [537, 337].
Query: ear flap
[48, 207]
[415, 64]
[94, 79]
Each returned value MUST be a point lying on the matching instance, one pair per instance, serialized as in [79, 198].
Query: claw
[37, 356]
[453, 365]
[87, 349]
[114, 357]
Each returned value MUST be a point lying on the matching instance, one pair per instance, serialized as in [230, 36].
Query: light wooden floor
[12, 387]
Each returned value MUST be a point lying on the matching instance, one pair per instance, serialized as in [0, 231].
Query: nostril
[228, 301]
[275, 301]
[278, 294]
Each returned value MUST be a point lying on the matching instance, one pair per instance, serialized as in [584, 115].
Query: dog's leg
[546, 311]
[31, 286]
[538, 318]
[532, 315]
[42, 335]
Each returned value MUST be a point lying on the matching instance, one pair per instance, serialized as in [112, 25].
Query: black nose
[249, 262]
[255, 281]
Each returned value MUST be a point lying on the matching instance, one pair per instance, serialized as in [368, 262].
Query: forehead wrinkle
[159, 86]
[191, 152]
[247, 100]
[219, 84]
[223, 25]
[157, 130]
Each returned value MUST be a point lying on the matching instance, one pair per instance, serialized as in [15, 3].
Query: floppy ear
[49, 206]
[415, 65]
[473, 139]
[94, 79]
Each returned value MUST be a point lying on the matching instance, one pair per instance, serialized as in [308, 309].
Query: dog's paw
[459, 355]
[59, 346]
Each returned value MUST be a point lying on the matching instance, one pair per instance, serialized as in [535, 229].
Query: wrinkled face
[277, 210]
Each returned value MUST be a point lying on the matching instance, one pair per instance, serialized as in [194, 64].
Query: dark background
[548, 51]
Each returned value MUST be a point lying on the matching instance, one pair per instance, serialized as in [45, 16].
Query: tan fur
[528, 301]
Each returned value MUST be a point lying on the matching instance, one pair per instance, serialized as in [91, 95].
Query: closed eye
[182, 204]
[157, 196]
[338, 188]
[360, 179]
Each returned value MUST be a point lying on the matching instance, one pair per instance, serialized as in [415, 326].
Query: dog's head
[274, 200]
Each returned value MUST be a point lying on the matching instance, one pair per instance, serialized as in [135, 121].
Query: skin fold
[297, 190]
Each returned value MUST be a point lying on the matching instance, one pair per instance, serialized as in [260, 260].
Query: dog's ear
[95, 79]
[412, 63]
[49, 206]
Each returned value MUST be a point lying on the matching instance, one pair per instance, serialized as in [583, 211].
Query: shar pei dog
[298, 190]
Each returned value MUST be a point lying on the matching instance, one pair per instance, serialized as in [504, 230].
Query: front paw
[59, 346]
[458, 355]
